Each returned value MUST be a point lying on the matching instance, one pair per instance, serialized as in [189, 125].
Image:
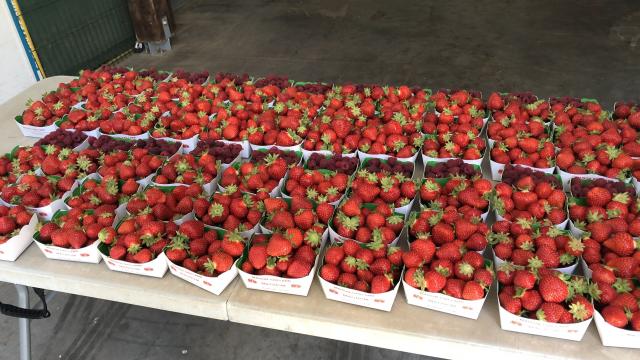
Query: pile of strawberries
[34, 191]
[383, 188]
[612, 225]
[449, 229]
[617, 300]
[260, 176]
[531, 200]
[93, 193]
[278, 255]
[231, 210]
[78, 228]
[12, 219]
[165, 204]
[186, 169]
[470, 197]
[203, 251]
[545, 295]
[372, 268]
[354, 220]
[459, 274]
[535, 246]
[318, 185]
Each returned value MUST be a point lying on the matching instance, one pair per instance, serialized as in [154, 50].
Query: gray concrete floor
[579, 48]
[582, 48]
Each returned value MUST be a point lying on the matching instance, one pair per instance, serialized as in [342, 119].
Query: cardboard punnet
[267, 147]
[383, 301]
[154, 268]
[426, 159]
[143, 136]
[363, 156]
[566, 178]
[511, 322]
[46, 212]
[87, 254]
[214, 285]
[335, 237]
[561, 226]
[306, 154]
[497, 169]
[585, 269]
[12, 248]
[277, 284]
[246, 148]
[188, 145]
[443, 303]
[613, 336]
[34, 131]
[569, 270]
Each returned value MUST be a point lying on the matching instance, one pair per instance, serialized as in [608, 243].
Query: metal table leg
[24, 324]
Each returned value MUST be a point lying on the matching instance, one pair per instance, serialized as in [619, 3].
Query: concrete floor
[582, 48]
[579, 48]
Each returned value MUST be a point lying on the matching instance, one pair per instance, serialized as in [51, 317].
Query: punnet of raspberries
[450, 168]
[223, 152]
[337, 163]
[581, 187]
[62, 138]
[545, 295]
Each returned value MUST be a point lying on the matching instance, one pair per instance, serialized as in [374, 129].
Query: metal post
[24, 324]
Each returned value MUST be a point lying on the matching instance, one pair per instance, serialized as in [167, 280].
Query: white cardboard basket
[154, 268]
[613, 336]
[443, 303]
[497, 169]
[363, 156]
[188, 145]
[282, 285]
[87, 254]
[306, 154]
[214, 285]
[10, 250]
[382, 301]
[36, 131]
[511, 322]
[426, 159]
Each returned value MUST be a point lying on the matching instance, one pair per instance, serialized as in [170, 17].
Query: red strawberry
[553, 289]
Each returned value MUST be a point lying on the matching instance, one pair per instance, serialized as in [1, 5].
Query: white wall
[15, 70]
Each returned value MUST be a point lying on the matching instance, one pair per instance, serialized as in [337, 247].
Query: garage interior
[579, 48]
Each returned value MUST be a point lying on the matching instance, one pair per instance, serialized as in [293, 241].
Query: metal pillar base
[24, 324]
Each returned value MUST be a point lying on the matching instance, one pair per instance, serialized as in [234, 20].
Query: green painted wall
[70, 35]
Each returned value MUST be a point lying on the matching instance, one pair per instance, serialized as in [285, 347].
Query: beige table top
[406, 328]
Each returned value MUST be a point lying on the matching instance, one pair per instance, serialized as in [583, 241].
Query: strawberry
[553, 289]
[615, 316]
[298, 269]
